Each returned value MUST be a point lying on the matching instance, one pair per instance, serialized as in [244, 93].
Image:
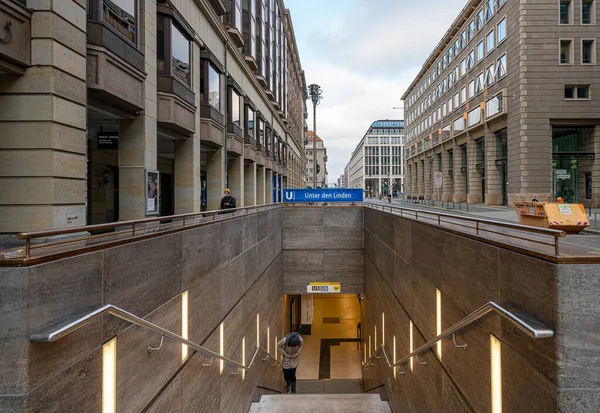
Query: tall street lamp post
[316, 94]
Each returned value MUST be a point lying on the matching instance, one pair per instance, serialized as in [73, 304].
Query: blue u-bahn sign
[323, 195]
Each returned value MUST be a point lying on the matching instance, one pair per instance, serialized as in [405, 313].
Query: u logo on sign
[289, 195]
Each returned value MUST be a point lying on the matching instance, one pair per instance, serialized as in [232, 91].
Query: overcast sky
[364, 54]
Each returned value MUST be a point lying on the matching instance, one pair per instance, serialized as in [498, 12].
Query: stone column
[215, 179]
[138, 137]
[429, 168]
[235, 179]
[448, 184]
[187, 176]
[474, 195]
[250, 197]
[269, 186]
[43, 124]
[260, 185]
[596, 170]
[460, 180]
[493, 174]
[421, 179]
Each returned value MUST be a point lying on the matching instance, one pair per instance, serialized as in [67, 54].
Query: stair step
[328, 386]
[318, 403]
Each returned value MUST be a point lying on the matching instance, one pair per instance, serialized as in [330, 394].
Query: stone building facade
[122, 109]
[505, 106]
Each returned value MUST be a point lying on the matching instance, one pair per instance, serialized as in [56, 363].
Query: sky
[364, 54]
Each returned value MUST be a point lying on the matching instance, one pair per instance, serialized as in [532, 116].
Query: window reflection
[121, 14]
[235, 108]
[180, 48]
[214, 87]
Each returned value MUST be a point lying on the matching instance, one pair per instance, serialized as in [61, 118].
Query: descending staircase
[323, 396]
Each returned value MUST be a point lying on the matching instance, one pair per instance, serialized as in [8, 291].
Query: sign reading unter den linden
[324, 288]
[323, 195]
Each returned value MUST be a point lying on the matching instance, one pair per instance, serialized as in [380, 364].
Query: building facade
[377, 163]
[504, 107]
[124, 109]
[321, 161]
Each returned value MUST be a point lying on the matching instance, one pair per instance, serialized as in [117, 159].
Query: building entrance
[572, 149]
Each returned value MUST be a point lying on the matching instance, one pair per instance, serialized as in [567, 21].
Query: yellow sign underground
[324, 288]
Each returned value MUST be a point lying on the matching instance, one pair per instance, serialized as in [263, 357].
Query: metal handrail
[556, 234]
[530, 326]
[133, 319]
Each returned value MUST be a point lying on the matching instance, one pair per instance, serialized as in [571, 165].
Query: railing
[77, 239]
[530, 326]
[55, 335]
[479, 225]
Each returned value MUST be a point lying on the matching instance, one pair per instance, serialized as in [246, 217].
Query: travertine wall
[404, 267]
[323, 244]
[231, 270]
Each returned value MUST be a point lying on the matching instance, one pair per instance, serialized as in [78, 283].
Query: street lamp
[316, 94]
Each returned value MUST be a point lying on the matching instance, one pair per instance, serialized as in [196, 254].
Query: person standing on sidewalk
[290, 347]
[228, 202]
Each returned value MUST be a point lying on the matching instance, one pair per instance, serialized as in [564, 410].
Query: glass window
[214, 88]
[463, 96]
[565, 12]
[463, 67]
[587, 11]
[238, 14]
[489, 10]
[480, 21]
[501, 32]
[501, 3]
[565, 51]
[250, 123]
[501, 67]
[490, 42]
[471, 30]
[457, 100]
[180, 50]
[471, 60]
[588, 55]
[583, 92]
[474, 117]
[122, 16]
[463, 40]
[494, 106]
[457, 47]
[160, 44]
[480, 51]
[489, 75]
[479, 84]
[450, 56]
[450, 109]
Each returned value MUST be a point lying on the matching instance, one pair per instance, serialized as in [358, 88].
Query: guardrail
[61, 242]
[479, 226]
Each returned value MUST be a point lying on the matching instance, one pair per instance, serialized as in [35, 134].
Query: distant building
[341, 182]
[377, 163]
[321, 161]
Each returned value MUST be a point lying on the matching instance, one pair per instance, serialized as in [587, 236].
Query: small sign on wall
[108, 140]
[152, 192]
[324, 288]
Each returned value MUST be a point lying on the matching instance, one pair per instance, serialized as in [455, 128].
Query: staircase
[323, 396]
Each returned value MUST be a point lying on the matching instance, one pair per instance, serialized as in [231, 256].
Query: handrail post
[477, 227]
[439, 220]
[27, 247]
[133, 230]
[556, 246]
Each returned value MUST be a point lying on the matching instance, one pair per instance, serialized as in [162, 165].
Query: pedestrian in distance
[290, 347]
[228, 202]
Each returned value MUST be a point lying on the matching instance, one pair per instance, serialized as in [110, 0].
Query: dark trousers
[289, 376]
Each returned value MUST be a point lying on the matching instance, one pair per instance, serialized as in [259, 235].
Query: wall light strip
[438, 306]
[269, 340]
[496, 372]
[244, 358]
[109, 376]
[395, 368]
[184, 324]
[221, 347]
[383, 328]
[257, 330]
[411, 344]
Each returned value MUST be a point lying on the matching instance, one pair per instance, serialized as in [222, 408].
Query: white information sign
[438, 180]
[324, 288]
[563, 176]
[565, 209]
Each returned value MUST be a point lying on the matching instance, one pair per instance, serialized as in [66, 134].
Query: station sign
[324, 288]
[323, 195]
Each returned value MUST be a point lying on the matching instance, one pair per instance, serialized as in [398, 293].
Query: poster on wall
[588, 186]
[152, 192]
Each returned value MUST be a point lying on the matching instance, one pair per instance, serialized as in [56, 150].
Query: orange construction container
[570, 218]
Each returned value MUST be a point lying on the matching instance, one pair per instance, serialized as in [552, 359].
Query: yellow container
[570, 218]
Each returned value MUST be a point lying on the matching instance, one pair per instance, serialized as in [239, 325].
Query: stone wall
[231, 270]
[323, 244]
[403, 269]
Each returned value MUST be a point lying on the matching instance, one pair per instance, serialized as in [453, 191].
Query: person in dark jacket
[290, 347]
[228, 202]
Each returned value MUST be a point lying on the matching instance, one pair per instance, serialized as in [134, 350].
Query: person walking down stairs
[290, 347]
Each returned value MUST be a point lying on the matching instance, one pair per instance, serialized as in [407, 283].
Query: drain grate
[332, 320]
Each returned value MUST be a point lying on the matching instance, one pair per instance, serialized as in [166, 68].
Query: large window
[588, 12]
[214, 87]
[234, 108]
[180, 50]
[122, 16]
[588, 51]
[577, 92]
[173, 50]
[501, 31]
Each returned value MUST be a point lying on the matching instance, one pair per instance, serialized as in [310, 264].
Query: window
[565, 11]
[457, 47]
[450, 56]
[471, 31]
[250, 130]
[489, 76]
[588, 12]
[444, 62]
[180, 50]
[463, 40]
[471, 89]
[458, 125]
[122, 16]
[494, 106]
[501, 3]
[480, 20]
[489, 10]
[237, 10]
[480, 51]
[444, 110]
[463, 96]
[450, 79]
[450, 109]
[214, 87]
[501, 31]
[479, 84]
[490, 42]
[463, 67]
[173, 50]
[501, 67]
[566, 51]
[588, 52]
[471, 60]
[474, 117]
[577, 92]
[457, 100]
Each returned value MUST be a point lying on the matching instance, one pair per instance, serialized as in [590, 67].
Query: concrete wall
[404, 267]
[323, 244]
[232, 271]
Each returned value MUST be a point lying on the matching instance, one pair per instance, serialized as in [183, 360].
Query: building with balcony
[377, 163]
[321, 161]
[127, 109]
[504, 106]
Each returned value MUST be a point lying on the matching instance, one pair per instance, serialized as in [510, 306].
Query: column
[43, 125]
[421, 179]
[269, 186]
[250, 198]
[235, 179]
[137, 137]
[260, 185]
[187, 176]
[475, 192]
[429, 167]
[215, 179]
[596, 170]
[460, 178]
[448, 184]
[493, 174]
